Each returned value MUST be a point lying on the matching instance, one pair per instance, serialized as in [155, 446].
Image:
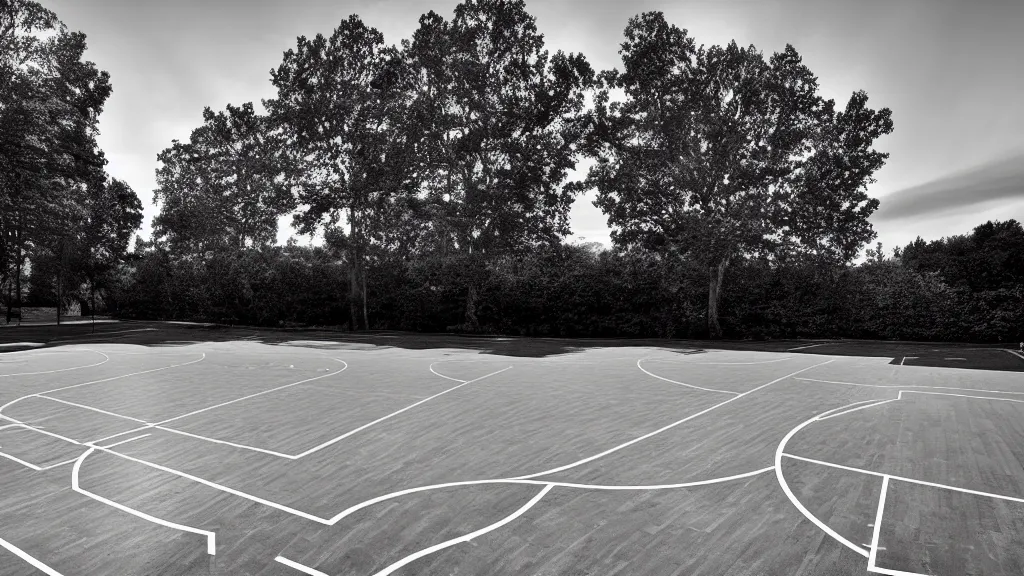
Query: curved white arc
[796, 502]
[351, 510]
[16, 400]
[668, 427]
[467, 537]
[431, 367]
[664, 486]
[644, 370]
[211, 547]
[105, 360]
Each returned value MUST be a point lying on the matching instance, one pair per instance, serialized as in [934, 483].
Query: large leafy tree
[342, 103]
[501, 122]
[50, 102]
[716, 153]
[225, 188]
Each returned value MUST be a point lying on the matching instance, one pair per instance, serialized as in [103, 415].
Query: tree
[225, 188]
[501, 122]
[342, 102]
[50, 101]
[716, 153]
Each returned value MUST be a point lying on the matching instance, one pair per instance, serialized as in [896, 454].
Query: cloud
[1001, 179]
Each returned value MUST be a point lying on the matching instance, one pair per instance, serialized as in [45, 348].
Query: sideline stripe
[467, 537]
[804, 347]
[211, 547]
[222, 404]
[396, 413]
[855, 409]
[878, 522]
[24, 556]
[299, 567]
[905, 479]
[90, 408]
[672, 425]
[642, 369]
[1015, 353]
[903, 386]
[220, 487]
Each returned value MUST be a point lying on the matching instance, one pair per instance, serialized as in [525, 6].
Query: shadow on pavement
[140, 333]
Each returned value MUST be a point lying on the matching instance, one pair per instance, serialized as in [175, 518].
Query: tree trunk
[366, 318]
[715, 274]
[472, 322]
[353, 280]
[17, 277]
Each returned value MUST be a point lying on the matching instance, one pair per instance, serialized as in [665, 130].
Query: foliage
[716, 153]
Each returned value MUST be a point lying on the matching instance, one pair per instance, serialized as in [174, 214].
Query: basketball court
[170, 449]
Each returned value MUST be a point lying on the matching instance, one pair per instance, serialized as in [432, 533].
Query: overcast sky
[951, 72]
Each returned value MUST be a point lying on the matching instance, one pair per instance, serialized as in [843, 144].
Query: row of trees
[962, 288]
[451, 152]
[435, 172]
[61, 216]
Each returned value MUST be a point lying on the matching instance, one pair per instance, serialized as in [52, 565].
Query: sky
[950, 71]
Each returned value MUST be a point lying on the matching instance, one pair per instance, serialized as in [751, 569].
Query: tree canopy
[716, 153]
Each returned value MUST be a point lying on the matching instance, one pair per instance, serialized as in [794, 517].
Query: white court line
[20, 461]
[796, 502]
[822, 415]
[396, 413]
[367, 503]
[2, 408]
[467, 537]
[902, 392]
[855, 409]
[211, 547]
[903, 386]
[29, 464]
[299, 567]
[132, 439]
[220, 487]
[642, 369]
[99, 381]
[1015, 353]
[878, 523]
[442, 375]
[222, 404]
[27, 558]
[908, 480]
[332, 441]
[779, 452]
[90, 408]
[672, 425]
[672, 361]
[100, 334]
[809, 346]
[105, 360]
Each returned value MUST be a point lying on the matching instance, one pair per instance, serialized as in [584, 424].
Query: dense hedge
[580, 291]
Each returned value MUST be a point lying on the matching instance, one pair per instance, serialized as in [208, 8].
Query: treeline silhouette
[436, 172]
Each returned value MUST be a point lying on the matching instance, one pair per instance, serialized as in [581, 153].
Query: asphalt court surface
[181, 449]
